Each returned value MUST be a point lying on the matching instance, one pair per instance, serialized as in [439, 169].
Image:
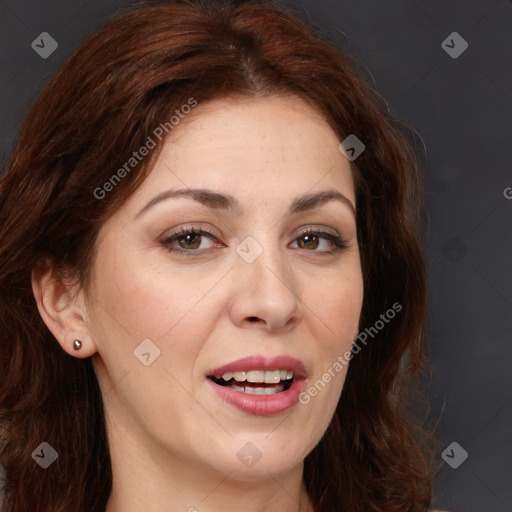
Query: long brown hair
[107, 99]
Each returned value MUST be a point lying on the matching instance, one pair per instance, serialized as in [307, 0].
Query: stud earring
[77, 344]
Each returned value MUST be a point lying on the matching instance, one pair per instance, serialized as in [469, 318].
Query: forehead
[274, 127]
[264, 148]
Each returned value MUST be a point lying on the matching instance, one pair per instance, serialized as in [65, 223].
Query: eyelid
[215, 233]
[316, 228]
[340, 243]
[191, 227]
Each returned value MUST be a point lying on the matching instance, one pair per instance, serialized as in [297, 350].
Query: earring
[77, 344]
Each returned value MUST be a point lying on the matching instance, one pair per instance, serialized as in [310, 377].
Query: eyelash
[339, 243]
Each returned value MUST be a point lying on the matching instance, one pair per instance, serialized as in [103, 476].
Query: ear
[62, 307]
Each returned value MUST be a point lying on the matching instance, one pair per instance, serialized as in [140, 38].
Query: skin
[173, 442]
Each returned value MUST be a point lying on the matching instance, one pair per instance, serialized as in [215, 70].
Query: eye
[188, 239]
[310, 240]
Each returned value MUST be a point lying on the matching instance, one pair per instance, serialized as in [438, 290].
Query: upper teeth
[268, 376]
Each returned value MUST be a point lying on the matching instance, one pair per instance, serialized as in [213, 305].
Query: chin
[254, 460]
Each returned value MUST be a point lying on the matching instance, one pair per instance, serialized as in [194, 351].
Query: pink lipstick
[259, 385]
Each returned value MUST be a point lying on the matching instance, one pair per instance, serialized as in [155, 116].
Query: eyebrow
[217, 201]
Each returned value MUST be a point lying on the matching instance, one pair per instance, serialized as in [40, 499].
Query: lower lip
[261, 405]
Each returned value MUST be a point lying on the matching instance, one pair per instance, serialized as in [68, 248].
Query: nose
[266, 292]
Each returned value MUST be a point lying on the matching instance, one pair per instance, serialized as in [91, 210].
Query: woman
[213, 291]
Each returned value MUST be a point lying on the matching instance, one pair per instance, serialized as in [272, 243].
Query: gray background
[462, 110]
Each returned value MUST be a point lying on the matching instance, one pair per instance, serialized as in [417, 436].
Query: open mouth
[256, 382]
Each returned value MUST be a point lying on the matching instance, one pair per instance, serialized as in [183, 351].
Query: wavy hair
[107, 99]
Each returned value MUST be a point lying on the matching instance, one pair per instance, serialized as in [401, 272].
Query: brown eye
[311, 240]
[188, 240]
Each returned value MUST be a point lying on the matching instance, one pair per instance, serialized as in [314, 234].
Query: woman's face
[167, 316]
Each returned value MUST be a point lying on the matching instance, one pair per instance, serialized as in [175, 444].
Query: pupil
[188, 241]
[311, 240]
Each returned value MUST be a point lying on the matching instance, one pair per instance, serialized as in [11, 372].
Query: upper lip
[259, 362]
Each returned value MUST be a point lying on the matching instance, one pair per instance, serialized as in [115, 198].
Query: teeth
[255, 376]
[272, 377]
[240, 376]
[258, 391]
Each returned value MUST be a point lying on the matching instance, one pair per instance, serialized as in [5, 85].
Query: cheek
[334, 312]
[337, 308]
[150, 301]
[174, 310]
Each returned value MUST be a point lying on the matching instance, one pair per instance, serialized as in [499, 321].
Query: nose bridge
[264, 257]
[266, 284]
